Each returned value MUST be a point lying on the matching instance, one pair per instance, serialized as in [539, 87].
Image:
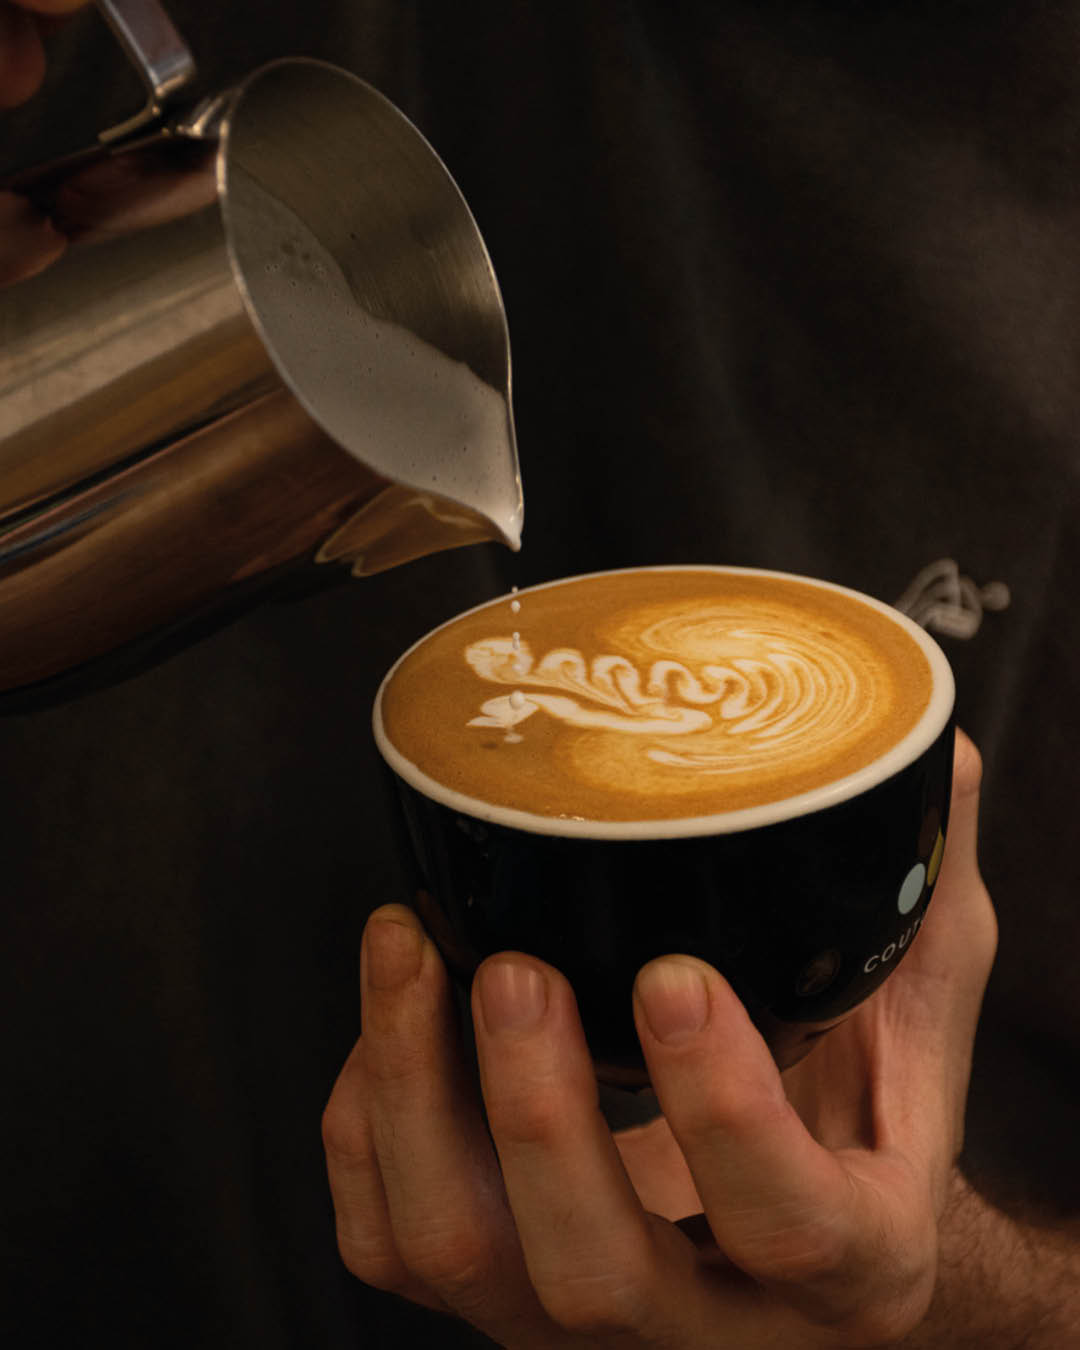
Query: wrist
[1001, 1282]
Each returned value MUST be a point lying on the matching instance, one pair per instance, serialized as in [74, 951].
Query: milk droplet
[517, 699]
[515, 606]
[519, 660]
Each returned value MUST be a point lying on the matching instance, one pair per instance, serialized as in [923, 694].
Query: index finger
[828, 1231]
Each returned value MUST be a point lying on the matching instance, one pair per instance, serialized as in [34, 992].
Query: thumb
[933, 1001]
[958, 940]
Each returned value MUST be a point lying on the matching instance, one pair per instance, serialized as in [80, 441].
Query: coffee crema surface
[657, 694]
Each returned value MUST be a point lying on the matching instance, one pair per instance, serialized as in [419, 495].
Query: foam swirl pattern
[740, 697]
[656, 695]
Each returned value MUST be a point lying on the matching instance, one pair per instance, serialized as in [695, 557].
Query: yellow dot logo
[933, 867]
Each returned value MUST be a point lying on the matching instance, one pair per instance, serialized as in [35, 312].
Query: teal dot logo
[912, 889]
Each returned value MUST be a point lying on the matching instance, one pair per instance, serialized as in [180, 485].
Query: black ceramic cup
[805, 904]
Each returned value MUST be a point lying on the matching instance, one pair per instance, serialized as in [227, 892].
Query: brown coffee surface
[656, 694]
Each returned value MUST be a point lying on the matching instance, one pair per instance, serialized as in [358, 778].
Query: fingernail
[513, 996]
[674, 999]
[391, 953]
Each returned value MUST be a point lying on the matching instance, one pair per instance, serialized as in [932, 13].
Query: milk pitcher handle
[156, 50]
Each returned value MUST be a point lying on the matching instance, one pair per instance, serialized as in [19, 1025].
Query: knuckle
[346, 1138]
[404, 1055]
[458, 1264]
[372, 1262]
[734, 1108]
[984, 946]
[884, 1323]
[396, 1069]
[594, 1309]
[799, 1250]
[534, 1115]
[801, 1258]
[612, 1299]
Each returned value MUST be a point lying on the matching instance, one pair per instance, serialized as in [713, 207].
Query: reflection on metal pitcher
[275, 339]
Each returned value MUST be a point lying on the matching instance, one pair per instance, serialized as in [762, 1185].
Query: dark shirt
[792, 285]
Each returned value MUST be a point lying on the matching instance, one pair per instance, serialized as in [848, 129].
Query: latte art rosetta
[609, 694]
[657, 693]
[753, 694]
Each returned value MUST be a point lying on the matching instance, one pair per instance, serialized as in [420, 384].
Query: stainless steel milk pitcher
[275, 339]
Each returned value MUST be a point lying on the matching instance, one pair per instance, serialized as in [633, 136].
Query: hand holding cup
[760, 1211]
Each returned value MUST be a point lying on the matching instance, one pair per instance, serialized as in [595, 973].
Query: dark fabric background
[789, 284]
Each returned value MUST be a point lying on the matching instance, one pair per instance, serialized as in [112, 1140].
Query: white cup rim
[905, 752]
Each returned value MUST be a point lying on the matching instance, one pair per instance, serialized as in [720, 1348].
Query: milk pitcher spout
[275, 341]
